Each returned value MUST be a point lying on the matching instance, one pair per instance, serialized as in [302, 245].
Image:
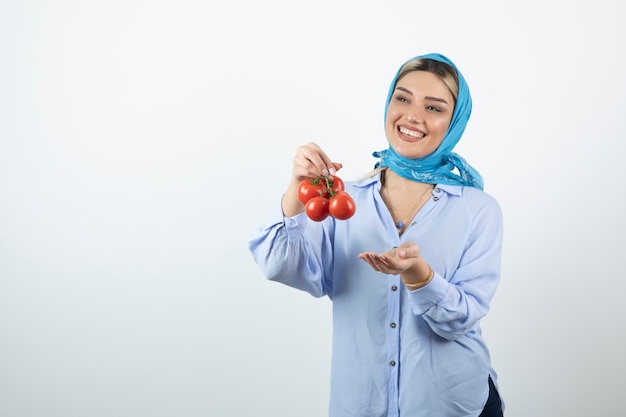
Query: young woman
[413, 272]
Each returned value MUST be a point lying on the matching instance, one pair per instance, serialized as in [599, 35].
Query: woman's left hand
[394, 261]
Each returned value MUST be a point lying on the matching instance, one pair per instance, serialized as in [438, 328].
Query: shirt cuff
[294, 225]
[423, 299]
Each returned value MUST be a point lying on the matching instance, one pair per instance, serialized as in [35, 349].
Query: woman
[412, 273]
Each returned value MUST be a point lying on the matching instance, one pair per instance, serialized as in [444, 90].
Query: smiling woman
[406, 320]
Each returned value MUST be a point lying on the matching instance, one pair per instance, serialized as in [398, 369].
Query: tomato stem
[329, 186]
[327, 182]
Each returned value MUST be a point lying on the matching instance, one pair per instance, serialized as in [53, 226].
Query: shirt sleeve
[453, 307]
[294, 251]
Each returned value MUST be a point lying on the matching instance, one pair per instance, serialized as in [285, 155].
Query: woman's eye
[402, 99]
[433, 108]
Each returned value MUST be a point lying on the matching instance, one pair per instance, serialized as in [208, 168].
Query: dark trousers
[493, 407]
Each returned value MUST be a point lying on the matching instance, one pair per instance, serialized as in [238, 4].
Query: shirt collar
[456, 190]
[451, 189]
[366, 182]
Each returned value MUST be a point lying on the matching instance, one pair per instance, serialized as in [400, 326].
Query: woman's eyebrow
[436, 99]
[404, 89]
[409, 92]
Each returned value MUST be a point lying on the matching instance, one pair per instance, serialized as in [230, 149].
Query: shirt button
[393, 325]
[436, 198]
[437, 190]
[392, 363]
[394, 288]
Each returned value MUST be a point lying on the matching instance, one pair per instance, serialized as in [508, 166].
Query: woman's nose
[414, 117]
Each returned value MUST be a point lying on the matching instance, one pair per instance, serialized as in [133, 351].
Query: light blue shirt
[397, 352]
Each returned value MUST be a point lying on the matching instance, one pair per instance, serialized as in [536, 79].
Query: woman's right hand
[309, 161]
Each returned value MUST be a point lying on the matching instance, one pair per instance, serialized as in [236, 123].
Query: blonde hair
[445, 72]
[371, 173]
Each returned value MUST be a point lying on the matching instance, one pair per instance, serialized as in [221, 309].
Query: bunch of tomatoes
[324, 196]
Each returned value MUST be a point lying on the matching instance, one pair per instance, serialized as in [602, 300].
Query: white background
[141, 142]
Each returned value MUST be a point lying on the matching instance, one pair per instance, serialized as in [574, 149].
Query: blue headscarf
[437, 167]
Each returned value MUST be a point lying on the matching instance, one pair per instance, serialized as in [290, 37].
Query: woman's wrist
[291, 204]
[419, 277]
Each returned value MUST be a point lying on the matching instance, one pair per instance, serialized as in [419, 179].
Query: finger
[373, 260]
[363, 256]
[408, 250]
[318, 158]
[369, 258]
[337, 167]
[383, 264]
[388, 265]
[303, 168]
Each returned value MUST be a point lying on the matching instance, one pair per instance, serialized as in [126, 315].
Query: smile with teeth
[411, 133]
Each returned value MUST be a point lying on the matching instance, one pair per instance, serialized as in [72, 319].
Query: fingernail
[324, 171]
[333, 171]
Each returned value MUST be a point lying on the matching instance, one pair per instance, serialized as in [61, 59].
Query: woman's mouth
[414, 135]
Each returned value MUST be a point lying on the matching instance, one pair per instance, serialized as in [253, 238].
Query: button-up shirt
[397, 352]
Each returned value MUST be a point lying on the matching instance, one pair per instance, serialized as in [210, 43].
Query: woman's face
[418, 114]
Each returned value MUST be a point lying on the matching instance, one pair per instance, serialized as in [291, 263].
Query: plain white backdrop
[141, 142]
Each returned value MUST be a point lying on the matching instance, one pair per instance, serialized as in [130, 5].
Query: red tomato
[342, 206]
[311, 187]
[317, 208]
[336, 184]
